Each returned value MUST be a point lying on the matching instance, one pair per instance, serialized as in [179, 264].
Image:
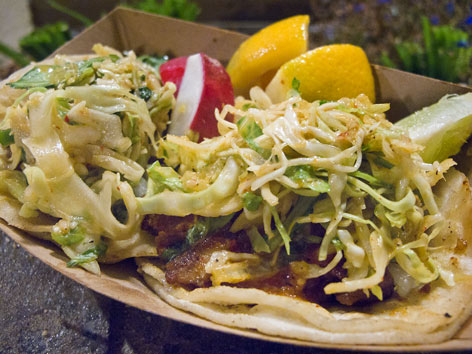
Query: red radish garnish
[202, 85]
[173, 71]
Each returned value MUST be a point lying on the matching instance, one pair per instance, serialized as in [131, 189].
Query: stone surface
[42, 311]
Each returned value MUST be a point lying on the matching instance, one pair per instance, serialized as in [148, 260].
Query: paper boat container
[125, 29]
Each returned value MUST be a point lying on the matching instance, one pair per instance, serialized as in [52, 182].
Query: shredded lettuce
[422, 271]
[13, 183]
[257, 241]
[182, 204]
[63, 106]
[164, 178]
[281, 228]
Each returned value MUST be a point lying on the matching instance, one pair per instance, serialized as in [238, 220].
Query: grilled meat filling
[168, 230]
[188, 268]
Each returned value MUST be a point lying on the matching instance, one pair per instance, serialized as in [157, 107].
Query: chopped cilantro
[296, 84]
[88, 256]
[145, 93]
[6, 138]
[251, 201]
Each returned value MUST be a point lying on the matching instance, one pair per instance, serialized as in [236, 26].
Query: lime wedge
[441, 128]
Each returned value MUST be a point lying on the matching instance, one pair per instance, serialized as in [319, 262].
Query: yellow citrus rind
[258, 58]
[326, 73]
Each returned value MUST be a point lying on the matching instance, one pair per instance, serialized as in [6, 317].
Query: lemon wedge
[258, 58]
[326, 73]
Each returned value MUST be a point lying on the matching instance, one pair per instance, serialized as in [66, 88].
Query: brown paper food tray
[126, 29]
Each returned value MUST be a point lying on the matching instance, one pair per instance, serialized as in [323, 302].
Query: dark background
[375, 25]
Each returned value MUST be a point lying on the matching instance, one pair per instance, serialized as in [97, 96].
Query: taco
[74, 130]
[343, 238]
[312, 220]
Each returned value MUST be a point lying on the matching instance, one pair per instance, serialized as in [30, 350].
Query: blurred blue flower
[462, 44]
[450, 8]
[468, 20]
[359, 7]
[434, 19]
[384, 1]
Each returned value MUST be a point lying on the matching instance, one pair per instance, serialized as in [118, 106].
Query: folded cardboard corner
[144, 33]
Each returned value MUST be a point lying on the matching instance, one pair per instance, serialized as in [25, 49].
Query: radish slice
[173, 71]
[203, 87]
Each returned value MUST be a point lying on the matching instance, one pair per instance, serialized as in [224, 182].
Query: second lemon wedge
[325, 73]
[258, 58]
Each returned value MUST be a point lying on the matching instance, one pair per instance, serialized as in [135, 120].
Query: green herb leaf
[53, 75]
[88, 256]
[6, 138]
[73, 237]
[338, 244]
[205, 226]
[114, 58]
[246, 106]
[296, 84]
[145, 93]
[219, 222]
[305, 177]
[86, 70]
[170, 253]
[197, 231]
[154, 61]
[301, 208]
[250, 130]
[39, 76]
[251, 201]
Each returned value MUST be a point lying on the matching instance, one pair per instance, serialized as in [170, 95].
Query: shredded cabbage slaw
[82, 149]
